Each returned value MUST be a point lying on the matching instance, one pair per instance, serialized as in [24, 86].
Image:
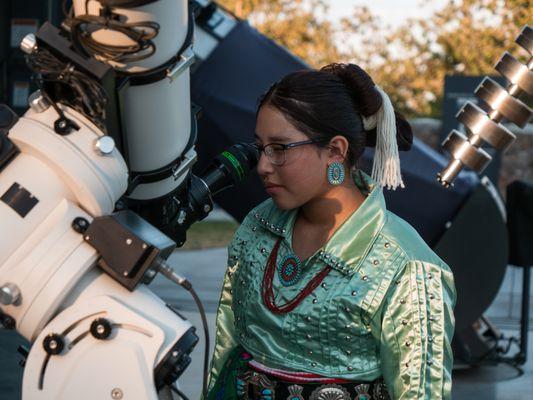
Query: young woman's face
[302, 177]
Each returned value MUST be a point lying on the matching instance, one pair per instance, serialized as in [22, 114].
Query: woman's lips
[273, 188]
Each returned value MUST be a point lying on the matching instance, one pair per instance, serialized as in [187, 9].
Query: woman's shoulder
[267, 206]
[267, 216]
[405, 237]
[396, 249]
[260, 217]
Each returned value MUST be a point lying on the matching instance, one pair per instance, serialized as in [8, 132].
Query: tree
[410, 62]
[298, 25]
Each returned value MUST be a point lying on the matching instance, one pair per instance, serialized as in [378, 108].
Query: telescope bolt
[29, 44]
[80, 224]
[104, 145]
[10, 294]
[116, 394]
[149, 276]
[38, 102]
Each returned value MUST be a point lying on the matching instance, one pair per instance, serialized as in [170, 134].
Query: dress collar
[349, 244]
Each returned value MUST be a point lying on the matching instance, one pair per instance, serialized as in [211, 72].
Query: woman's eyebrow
[273, 138]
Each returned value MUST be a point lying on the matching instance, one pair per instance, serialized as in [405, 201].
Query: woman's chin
[283, 203]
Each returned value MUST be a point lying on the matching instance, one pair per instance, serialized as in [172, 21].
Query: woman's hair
[331, 101]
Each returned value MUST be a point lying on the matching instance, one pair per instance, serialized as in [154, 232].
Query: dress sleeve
[225, 340]
[417, 327]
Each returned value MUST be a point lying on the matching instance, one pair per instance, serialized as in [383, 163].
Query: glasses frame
[284, 147]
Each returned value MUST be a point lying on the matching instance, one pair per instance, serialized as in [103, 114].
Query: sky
[392, 12]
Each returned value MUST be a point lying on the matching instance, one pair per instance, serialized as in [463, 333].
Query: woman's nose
[264, 166]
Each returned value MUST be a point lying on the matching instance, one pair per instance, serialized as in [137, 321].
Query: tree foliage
[410, 60]
[298, 25]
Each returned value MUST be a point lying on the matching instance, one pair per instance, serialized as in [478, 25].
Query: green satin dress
[384, 310]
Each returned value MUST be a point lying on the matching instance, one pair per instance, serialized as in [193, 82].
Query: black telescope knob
[53, 344]
[101, 328]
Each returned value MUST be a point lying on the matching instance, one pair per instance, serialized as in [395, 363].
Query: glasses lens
[275, 153]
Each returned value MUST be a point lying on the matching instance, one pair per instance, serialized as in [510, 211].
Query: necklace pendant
[289, 270]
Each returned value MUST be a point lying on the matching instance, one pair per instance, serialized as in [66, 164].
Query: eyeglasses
[277, 152]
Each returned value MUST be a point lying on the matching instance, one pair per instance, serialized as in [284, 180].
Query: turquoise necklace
[289, 270]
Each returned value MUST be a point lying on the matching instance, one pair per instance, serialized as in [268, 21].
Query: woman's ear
[338, 148]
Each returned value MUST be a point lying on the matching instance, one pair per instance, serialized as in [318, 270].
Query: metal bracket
[185, 166]
[186, 60]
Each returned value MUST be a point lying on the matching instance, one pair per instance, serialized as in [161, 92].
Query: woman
[327, 294]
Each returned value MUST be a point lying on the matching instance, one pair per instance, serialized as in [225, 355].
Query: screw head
[116, 394]
[80, 224]
[104, 145]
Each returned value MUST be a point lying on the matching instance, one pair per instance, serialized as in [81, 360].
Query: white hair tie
[386, 166]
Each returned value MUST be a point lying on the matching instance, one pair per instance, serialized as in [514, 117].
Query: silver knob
[29, 43]
[10, 294]
[38, 102]
[105, 145]
[116, 394]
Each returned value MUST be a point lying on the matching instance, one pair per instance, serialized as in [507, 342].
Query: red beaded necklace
[267, 290]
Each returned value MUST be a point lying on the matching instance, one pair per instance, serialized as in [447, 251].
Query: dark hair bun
[360, 84]
[369, 101]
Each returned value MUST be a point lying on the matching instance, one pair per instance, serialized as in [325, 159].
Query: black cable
[86, 96]
[510, 341]
[495, 354]
[206, 333]
[82, 28]
[170, 274]
[178, 392]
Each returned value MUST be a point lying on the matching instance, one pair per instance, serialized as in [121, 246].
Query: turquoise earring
[335, 173]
